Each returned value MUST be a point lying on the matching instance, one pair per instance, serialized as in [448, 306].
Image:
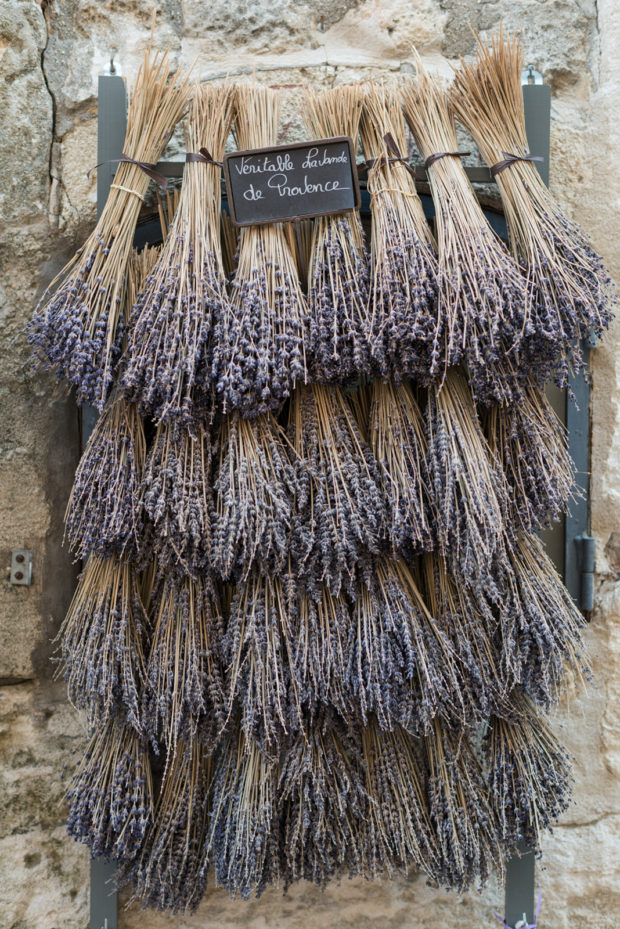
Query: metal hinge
[585, 555]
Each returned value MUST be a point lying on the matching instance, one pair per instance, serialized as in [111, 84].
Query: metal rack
[570, 544]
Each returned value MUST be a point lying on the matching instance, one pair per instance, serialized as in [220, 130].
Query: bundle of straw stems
[463, 818]
[322, 803]
[396, 436]
[110, 796]
[261, 339]
[402, 325]
[170, 872]
[530, 444]
[300, 237]
[242, 839]
[260, 677]
[398, 833]
[78, 325]
[399, 665]
[338, 271]
[104, 514]
[320, 653]
[483, 304]
[167, 366]
[570, 294]
[540, 638]
[254, 489]
[529, 773]
[468, 491]
[102, 642]
[184, 690]
[340, 509]
[470, 625]
[177, 496]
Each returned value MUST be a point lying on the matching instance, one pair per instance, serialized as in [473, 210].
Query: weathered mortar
[50, 55]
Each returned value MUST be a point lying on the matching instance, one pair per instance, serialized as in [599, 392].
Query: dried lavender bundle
[322, 803]
[79, 323]
[177, 495]
[398, 833]
[254, 488]
[170, 872]
[402, 668]
[104, 513]
[530, 444]
[467, 489]
[261, 339]
[571, 290]
[320, 651]
[242, 839]
[483, 303]
[102, 642]
[110, 796]
[470, 625]
[529, 774]
[402, 328]
[259, 677]
[463, 819]
[338, 271]
[184, 690]
[340, 509]
[540, 628]
[396, 435]
[167, 367]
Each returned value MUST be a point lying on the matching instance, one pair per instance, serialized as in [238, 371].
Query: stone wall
[50, 55]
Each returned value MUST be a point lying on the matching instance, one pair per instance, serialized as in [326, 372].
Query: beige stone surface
[50, 56]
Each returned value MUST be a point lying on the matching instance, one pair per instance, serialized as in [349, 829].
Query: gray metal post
[521, 869]
[111, 125]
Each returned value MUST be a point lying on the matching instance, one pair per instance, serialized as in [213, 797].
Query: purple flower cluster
[104, 514]
[467, 489]
[529, 443]
[529, 777]
[110, 796]
[261, 338]
[254, 487]
[167, 364]
[169, 871]
[183, 693]
[77, 328]
[338, 300]
[177, 496]
[102, 642]
[340, 508]
[402, 314]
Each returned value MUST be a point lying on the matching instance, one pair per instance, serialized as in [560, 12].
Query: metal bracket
[21, 567]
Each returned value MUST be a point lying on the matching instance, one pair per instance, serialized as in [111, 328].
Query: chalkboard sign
[271, 185]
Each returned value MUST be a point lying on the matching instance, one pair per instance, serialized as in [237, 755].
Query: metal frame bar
[112, 118]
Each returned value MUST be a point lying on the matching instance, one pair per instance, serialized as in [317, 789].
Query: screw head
[19, 558]
[19, 575]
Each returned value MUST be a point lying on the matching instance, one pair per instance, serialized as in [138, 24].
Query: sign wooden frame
[241, 217]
